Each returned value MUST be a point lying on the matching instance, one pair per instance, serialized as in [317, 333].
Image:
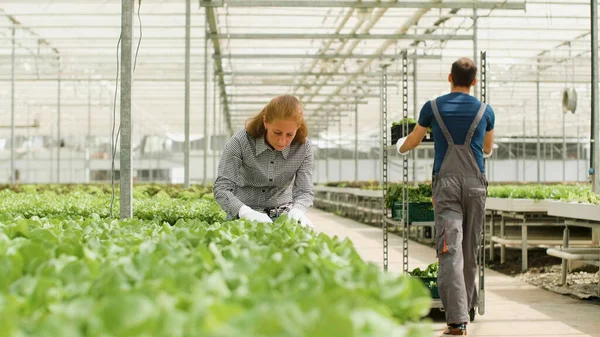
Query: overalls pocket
[448, 236]
[477, 192]
[477, 199]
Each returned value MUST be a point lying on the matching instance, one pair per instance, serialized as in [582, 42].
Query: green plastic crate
[435, 293]
[417, 211]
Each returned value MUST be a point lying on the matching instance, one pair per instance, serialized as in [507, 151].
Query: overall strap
[475, 124]
[445, 131]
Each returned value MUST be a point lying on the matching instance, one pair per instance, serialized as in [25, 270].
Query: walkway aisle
[513, 307]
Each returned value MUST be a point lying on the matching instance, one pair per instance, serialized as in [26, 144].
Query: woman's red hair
[284, 107]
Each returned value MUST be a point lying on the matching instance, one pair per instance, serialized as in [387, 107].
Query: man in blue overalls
[463, 136]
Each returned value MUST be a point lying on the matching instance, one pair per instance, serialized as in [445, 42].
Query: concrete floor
[513, 307]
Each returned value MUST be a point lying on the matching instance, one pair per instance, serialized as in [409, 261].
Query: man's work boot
[456, 330]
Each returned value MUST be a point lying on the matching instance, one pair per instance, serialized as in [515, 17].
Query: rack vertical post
[436, 303]
[405, 215]
[384, 156]
[481, 298]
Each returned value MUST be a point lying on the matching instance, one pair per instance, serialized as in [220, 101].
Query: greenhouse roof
[328, 53]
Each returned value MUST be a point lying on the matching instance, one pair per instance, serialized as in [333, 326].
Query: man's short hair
[463, 72]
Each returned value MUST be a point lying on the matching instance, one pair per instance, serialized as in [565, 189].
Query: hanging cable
[112, 138]
[114, 141]
[140, 39]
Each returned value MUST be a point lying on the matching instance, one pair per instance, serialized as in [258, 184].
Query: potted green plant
[398, 130]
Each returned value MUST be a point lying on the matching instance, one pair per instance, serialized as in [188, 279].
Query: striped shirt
[253, 174]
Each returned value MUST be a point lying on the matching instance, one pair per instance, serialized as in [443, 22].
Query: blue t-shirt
[458, 110]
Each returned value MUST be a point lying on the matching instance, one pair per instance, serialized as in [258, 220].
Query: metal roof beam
[305, 104]
[213, 30]
[285, 85]
[247, 113]
[331, 56]
[365, 29]
[318, 95]
[334, 113]
[35, 36]
[563, 44]
[276, 36]
[498, 16]
[506, 5]
[412, 21]
[291, 83]
[487, 27]
[273, 73]
[327, 44]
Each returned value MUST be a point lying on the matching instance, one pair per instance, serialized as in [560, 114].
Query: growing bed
[178, 269]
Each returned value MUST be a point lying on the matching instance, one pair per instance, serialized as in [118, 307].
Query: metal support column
[544, 153]
[317, 160]
[595, 136]
[564, 147]
[59, 142]
[214, 133]
[376, 172]
[524, 148]
[13, 179]
[405, 198]
[552, 150]
[27, 163]
[475, 48]
[578, 154]
[327, 148]
[524, 257]
[481, 255]
[340, 148]
[565, 262]
[88, 148]
[221, 131]
[126, 190]
[384, 145]
[355, 141]
[594, 149]
[186, 125]
[538, 120]
[516, 159]
[415, 108]
[205, 160]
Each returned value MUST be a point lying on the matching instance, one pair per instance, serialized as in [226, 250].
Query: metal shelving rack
[481, 250]
[436, 303]
[384, 168]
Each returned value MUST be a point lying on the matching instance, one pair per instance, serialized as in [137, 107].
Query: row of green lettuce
[581, 193]
[67, 269]
[150, 201]
[139, 190]
[376, 184]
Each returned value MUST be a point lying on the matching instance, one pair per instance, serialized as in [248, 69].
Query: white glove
[487, 155]
[252, 215]
[297, 215]
[399, 145]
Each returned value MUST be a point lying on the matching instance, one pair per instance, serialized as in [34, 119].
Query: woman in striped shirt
[266, 168]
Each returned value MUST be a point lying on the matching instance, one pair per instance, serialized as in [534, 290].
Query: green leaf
[129, 315]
